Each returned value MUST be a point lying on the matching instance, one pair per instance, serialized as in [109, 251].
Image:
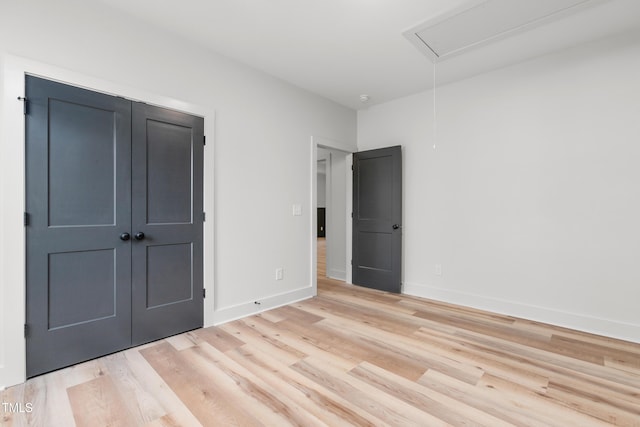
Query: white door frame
[12, 194]
[319, 142]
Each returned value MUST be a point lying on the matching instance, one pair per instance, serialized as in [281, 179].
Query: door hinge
[204, 140]
[26, 330]
[351, 214]
[204, 292]
[26, 219]
[204, 216]
[24, 104]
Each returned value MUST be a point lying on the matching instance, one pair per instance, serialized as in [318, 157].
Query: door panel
[375, 250]
[169, 274]
[81, 165]
[377, 219]
[167, 207]
[78, 301]
[375, 185]
[88, 279]
[169, 175]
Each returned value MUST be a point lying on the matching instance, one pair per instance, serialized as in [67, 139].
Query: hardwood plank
[399, 323]
[155, 385]
[219, 338]
[165, 421]
[389, 409]
[476, 397]
[347, 345]
[182, 341]
[631, 366]
[586, 337]
[527, 402]
[279, 336]
[247, 390]
[140, 403]
[100, 404]
[326, 405]
[514, 352]
[441, 406]
[268, 341]
[498, 364]
[586, 402]
[488, 328]
[272, 316]
[419, 352]
[295, 315]
[205, 399]
[599, 351]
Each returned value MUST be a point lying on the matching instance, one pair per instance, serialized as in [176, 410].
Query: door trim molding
[12, 194]
[320, 142]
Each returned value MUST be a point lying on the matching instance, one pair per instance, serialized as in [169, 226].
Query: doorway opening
[331, 207]
[373, 256]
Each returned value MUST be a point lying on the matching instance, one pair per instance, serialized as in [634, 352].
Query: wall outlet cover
[438, 270]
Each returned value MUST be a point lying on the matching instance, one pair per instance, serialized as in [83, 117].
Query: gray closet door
[377, 219]
[167, 216]
[114, 235]
[78, 151]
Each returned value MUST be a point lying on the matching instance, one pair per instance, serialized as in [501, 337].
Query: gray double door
[113, 224]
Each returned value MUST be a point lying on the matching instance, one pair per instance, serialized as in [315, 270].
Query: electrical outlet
[279, 273]
[438, 270]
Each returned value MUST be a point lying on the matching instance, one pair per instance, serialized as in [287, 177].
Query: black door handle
[139, 235]
[396, 226]
[125, 236]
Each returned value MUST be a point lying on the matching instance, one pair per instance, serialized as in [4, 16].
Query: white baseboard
[337, 274]
[228, 314]
[578, 321]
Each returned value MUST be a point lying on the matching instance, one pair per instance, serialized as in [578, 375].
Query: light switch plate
[297, 210]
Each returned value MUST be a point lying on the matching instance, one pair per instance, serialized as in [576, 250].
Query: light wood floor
[350, 356]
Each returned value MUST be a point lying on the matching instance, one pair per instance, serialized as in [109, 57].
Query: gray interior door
[78, 162]
[167, 216]
[114, 233]
[377, 219]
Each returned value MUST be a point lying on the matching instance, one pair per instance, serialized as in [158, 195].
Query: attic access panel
[482, 21]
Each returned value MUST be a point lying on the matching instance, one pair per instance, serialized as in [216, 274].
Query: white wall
[530, 201]
[336, 218]
[260, 122]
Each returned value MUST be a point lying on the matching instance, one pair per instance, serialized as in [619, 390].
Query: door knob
[125, 236]
[396, 226]
[139, 235]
